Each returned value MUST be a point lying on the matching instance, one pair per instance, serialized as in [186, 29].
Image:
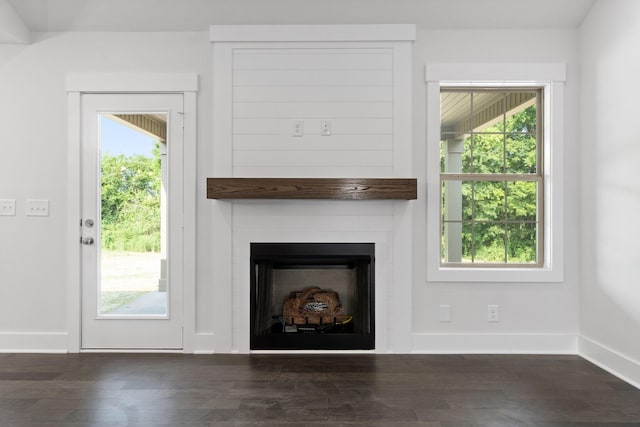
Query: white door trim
[77, 84]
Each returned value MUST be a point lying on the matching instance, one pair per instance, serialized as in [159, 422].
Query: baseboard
[623, 367]
[204, 343]
[33, 342]
[495, 343]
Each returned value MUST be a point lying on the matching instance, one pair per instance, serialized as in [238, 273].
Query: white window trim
[552, 78]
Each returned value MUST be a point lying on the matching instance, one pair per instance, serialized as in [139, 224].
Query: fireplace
[312, 296]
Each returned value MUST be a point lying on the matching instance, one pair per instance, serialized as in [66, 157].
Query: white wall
[534, 317]
[610, 295]
[33, 160]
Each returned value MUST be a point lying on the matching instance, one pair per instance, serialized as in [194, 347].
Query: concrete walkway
[149, 303]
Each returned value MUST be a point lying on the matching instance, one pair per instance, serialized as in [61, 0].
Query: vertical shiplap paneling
[351, 87]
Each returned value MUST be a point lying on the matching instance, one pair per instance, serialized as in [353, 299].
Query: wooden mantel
[313, 188]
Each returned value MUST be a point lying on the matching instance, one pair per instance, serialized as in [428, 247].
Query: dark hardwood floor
[311, 390]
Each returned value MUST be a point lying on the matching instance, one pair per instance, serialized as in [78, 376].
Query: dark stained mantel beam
[313, 188]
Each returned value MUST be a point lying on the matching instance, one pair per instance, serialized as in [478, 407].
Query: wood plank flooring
[311, 390]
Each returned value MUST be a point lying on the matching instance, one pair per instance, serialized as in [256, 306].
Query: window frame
[505, 177]
[550, 77]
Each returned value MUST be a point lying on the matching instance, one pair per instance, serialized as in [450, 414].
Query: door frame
[79, 84]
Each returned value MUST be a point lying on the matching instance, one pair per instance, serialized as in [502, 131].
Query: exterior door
[132, 217]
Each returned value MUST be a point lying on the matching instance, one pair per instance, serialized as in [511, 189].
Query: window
[494, 172]
[491, 177]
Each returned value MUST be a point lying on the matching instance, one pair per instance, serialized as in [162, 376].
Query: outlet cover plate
[493, 313]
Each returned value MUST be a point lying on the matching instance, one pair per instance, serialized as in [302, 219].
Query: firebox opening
[307, 296]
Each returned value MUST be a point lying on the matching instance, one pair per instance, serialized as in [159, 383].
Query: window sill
[503, 275]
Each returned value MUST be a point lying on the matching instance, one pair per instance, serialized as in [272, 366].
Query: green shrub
[131, 202]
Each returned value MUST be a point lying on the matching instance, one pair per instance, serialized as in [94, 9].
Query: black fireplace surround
[281, 269]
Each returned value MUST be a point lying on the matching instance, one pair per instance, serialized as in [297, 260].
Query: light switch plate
[37, 207]
[7, 207]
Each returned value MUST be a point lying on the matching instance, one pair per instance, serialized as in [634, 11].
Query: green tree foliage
[504, 213]
[131, 202]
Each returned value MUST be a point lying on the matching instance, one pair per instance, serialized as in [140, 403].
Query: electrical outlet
[325, 127]
[37, 207]
[445, 313]
[493, 313]
[7, 207]
[298, 128]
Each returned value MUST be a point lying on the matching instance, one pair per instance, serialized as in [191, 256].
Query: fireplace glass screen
[307, 296]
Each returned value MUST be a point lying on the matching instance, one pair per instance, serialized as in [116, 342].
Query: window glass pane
[452, 241]
[521, 242]
[133, 256]
[467, 241]
[451, 152]
[522, 201]
[488, 242]
[455, 112]
[522, 117]
[487, 153]
[456, 241]
[467, 200]
[520, 153]
[484, 132]
[488, 111]
[452, 201]
[489, 201]
[467, 155]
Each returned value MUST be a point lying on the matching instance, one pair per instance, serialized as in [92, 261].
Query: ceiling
[197, 15]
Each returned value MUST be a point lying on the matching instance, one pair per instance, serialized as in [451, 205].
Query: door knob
[87, 240]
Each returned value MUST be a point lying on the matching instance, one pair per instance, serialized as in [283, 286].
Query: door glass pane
[133, 273]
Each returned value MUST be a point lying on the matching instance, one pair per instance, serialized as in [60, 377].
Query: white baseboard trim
[623, 367]
[204, 343]
[495, 343]
[33, 342]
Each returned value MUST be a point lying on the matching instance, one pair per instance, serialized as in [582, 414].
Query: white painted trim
[12, 27]
[432, 343]
[480, 73]
[399, 294]
[132, 83]
[185, 83]
[612, 361]
[204, 343]
[33, 342]
[312, 33]
[403, 212]
[189, 194]
[553, 269]
[74, 302]
[222, 211]
[402, 110]
[222, 119]
[129, 351]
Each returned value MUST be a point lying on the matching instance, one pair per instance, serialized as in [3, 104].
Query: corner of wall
[618, 364]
